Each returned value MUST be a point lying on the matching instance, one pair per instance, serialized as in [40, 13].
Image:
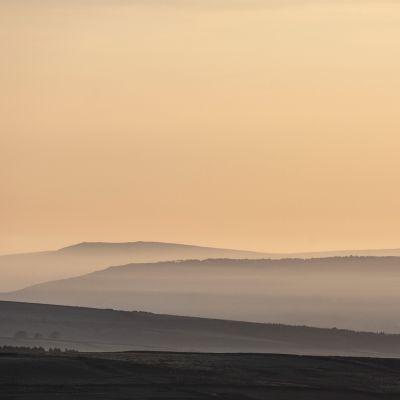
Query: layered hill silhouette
[85, 329]
[20, 270]
[359, 293]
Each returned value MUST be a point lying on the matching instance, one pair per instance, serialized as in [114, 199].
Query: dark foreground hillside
[159, 375]
[87, 329]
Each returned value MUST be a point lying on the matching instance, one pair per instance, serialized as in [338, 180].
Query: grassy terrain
[165, 375]
[97, 330]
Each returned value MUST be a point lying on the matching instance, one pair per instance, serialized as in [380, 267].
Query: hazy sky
[259, 124]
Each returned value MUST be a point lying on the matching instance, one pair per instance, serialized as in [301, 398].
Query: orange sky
[257, 124]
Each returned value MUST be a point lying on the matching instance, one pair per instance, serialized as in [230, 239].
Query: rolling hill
[359, 293]
[88, 329]
[20, 270]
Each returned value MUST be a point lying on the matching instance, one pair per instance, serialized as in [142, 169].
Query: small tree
[38, 336]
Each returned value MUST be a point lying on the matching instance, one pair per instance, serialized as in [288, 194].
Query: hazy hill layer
[360, 293]
[105, 330]
[20, 270]
[193, 376]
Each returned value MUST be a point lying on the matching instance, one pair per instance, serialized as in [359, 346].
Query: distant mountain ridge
[152, 249]
[20, 270]
[359, 293]
[128, 246]
[147, 245]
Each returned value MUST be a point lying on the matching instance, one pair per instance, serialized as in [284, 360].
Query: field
[165, 375]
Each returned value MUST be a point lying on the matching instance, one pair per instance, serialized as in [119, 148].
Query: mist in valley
[359, 293]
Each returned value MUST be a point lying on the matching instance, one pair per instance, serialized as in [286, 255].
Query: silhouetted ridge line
[88, 329]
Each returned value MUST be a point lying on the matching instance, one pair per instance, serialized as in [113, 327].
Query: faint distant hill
[88, 329]
[342, 253]
[360, 293]
[20, 270]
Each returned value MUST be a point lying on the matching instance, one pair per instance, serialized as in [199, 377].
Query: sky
[259, 124]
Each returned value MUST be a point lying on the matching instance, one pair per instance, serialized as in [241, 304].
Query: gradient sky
[258, 124]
